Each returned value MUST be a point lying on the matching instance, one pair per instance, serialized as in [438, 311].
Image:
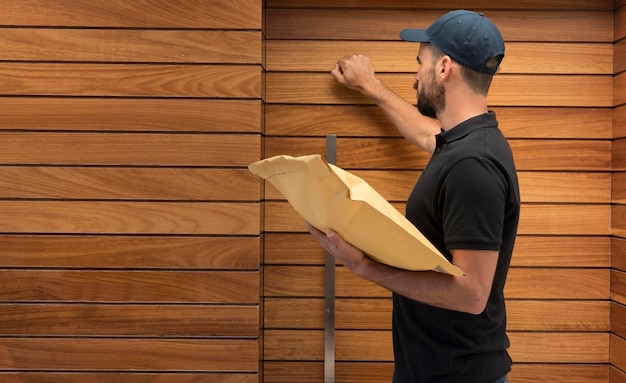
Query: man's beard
[431, 103]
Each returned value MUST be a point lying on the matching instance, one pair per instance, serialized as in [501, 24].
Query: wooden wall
[554, 99]
[617, 341]
[130, 244]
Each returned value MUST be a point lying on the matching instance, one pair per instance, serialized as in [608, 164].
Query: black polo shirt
[466, 198]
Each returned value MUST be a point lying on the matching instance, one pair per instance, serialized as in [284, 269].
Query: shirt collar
[485, 120]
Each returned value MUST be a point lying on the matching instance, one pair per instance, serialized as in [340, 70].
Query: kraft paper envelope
[329, 197]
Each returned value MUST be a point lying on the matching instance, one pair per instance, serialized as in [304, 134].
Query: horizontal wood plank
[618, 187]
[66, 354]
[619, 154]
[139, 46]
[107, 183]
[397, 153]
[47, 217]
[370, 121]
[375, 314]
[127, 286]
[29, 148]
[618, 286]
[443, 5]
[530, 250]
[218, 14]
[619, 122]
[130, 114]
[619, 94]
[399, 56]
[96, 320]
[355, 372]
[618, 253]
[129, 377]
[522, 283]
[554, 187]
[616, 375]
[130, 80]
[618, 319]
[526, 347]
[618, 352]
[506, 89]
[385, 24]
[555, 219]
[133, 252]
[618, 220]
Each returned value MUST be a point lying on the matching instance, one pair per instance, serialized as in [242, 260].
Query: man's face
[431, 97]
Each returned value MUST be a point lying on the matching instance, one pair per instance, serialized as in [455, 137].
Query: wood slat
[153, 320]
[618, 253]
[554, 187]
[618, 286]
[618, 352]
[218, 14]
[17, 182]
[522, 283]
[619, 122]
[63, 217]
[234, 287]
[313, 372]
[29, 148]
[618, 319]
[385, 24]
[619, 95]
[526, 347]
[62, 354]
[620, 21]
[619, 154]
[123, 115]
[398, 153]
[375, 314]
[370, 121]
[128, 377]
[130, 80]
[619, 55]
[555, 219]
[141, 46]
[617, 376]
[618, 187]
[133, 252]
[547, 5]
[399, 56]
[618, 220]
[530, 250]
[506, 89]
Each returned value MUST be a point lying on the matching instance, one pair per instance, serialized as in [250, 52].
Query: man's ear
[444, 68]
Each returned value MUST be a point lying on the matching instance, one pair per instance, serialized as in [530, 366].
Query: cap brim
[418, 35]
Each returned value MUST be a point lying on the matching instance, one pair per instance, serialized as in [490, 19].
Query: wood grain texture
[443, 5]
[522, 283]
[506, 89]
[129, 217]
[30, 148]
[618, 253]
[301, 345]
[63, 354]
[129, 320]
[141, 46]
[386, 23]
[618, 286]
[128, 286]
[131, 114]
[370, 121]
[218, 14]
[128, 377]
[618, 352]
[375, 314]
[354, 372]
[399, 56]
[106, 183]
[133, 252]
[530, 250]
[618, 319]
[130, 80]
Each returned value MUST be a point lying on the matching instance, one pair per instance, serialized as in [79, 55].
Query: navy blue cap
[469, 38]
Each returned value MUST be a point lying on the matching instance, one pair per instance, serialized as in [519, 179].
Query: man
[445, 328]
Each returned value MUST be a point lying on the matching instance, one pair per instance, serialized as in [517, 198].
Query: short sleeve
[473, 202]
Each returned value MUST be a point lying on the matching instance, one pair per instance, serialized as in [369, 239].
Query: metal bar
[329, 291]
